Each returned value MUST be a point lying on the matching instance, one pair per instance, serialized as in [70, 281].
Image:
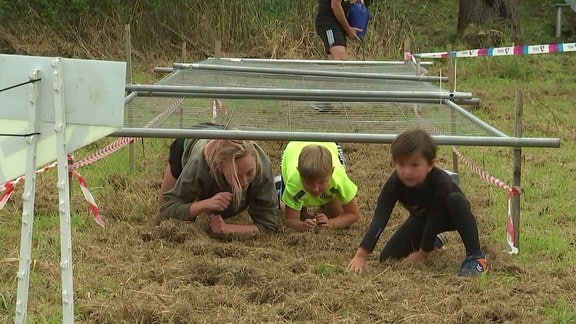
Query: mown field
[177, 272]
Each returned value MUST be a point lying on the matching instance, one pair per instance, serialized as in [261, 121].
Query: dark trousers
[408, 237]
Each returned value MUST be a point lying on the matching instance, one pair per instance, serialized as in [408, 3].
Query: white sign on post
[94, 98]
[50, 107]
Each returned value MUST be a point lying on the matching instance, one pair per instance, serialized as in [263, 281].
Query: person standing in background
[332, 26]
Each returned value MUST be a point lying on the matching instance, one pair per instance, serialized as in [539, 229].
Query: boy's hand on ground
[416, 256]
[357, 264]
[310, 223]
[322, 220]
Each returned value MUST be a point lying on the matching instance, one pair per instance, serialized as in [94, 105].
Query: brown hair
[220, 156]
[414, 140]
[314, 162]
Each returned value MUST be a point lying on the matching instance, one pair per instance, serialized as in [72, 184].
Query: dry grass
[177, 272]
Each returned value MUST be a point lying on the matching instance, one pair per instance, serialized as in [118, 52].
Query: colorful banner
[499, 51]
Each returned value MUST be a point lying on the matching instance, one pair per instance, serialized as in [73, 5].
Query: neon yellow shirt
[294, 195]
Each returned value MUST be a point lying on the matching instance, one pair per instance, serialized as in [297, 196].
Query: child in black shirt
[435, 205]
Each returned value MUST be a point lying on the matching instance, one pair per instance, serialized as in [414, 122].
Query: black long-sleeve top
[427, 200]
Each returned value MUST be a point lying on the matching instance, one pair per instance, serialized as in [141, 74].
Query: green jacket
[196, 183]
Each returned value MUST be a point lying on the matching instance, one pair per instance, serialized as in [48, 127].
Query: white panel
[94, 102]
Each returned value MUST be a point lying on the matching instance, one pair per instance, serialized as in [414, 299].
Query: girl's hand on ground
[217, 224]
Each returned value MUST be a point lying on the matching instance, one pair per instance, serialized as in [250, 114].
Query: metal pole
[271, 93]
[452, 89]
[28, 205]
[309, 72]
[63, 194]
[517, 173]
[471, 101]
[342, 137]
[323, 62]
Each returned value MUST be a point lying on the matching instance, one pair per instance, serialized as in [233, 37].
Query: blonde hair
[314, 162]
[220, 156]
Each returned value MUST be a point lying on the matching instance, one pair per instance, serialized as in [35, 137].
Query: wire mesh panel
[298, 99]
[297, 116]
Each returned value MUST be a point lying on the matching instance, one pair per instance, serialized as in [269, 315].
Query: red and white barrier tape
[89, 198]
[9, 186]
[123, 141]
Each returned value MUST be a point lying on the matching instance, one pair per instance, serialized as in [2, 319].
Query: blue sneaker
[441, 240]
[473, 265]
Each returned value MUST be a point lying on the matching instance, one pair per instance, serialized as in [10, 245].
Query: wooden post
[181, 108]
[184, 58]
[517, 173]
[406, 49]
[559, 18]
[128, 50]
[218, 49]
[451, 70]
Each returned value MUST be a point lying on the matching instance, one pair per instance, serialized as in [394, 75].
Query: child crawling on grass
[435, 205]
[314, 175]
[220, 178]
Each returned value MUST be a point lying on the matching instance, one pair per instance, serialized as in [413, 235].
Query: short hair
[315, 162]
[414, 140]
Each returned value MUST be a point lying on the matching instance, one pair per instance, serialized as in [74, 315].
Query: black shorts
[331, 35]
[177, 148]
[175, 157]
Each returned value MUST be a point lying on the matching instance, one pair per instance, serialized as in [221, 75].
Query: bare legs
[338, 52]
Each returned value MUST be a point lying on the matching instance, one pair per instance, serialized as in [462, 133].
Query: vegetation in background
[251, 28]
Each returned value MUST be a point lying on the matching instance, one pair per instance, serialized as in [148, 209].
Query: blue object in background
[358, 17]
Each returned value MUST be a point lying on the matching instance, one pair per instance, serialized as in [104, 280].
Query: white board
[94, 103]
